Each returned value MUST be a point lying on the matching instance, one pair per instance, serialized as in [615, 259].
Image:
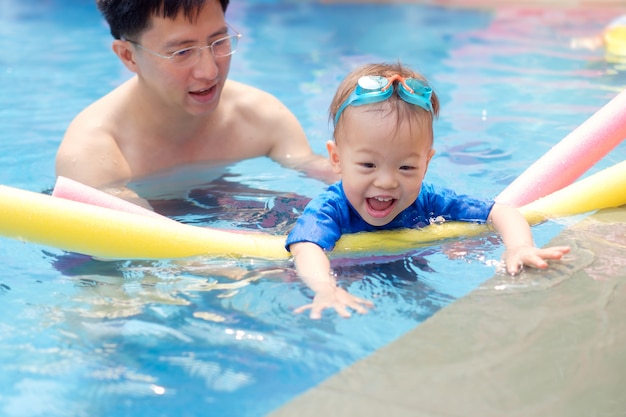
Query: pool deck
[556, 348]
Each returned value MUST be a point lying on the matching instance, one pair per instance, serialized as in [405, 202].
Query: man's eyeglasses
[190, 56]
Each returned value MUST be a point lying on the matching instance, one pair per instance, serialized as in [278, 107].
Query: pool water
[207, 336]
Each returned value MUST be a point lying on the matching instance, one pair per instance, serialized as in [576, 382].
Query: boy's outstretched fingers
[316, 310]
[531, 256]
[554, 252]
[359, 305]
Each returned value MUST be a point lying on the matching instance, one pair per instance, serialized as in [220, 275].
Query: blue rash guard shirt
[330, 215]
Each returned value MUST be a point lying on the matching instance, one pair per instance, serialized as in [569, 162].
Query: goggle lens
[373, 83]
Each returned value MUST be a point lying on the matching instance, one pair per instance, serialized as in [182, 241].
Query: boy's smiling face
[382, 160]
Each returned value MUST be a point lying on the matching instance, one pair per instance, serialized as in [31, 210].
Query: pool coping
[558, 349]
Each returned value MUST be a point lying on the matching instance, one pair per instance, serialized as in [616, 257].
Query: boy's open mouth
[380, 206]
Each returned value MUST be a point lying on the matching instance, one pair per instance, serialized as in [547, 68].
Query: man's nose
[207, 64]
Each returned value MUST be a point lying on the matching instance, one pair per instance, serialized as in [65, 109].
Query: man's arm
[289, 144]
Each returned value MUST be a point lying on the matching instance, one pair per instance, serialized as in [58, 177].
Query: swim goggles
[376, 88]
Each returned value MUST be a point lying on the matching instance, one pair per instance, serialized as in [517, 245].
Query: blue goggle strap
[420, 96]
[360, 98]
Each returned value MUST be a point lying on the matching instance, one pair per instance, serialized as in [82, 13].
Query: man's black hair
[129, 18]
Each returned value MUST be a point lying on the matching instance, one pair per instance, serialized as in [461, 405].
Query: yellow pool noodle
[615, 40]
[604, 189]
[108, 233]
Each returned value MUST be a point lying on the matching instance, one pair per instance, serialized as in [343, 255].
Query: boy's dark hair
[129, 18]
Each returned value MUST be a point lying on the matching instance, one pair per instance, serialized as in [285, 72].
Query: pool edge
[555, 351]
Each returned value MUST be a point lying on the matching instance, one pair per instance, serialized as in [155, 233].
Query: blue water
[82, 337]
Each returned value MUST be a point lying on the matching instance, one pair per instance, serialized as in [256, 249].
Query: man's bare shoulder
[89, 151]
[101, 118]
[275, 130]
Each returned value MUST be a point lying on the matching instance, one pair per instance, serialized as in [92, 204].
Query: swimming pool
[84, 337]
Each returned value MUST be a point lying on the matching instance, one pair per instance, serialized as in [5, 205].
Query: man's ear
[333, 156]
[125, 53]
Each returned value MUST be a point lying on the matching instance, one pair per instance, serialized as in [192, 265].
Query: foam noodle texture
[615, 39]
[572, 156]
[605, 189]
[76, 191]
[110, 233]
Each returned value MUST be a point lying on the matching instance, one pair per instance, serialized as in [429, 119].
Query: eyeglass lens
[220, 48]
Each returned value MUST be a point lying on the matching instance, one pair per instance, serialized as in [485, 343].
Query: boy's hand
[336, 298]
[514, 259]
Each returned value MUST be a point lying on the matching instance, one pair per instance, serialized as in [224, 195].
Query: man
[179, 108]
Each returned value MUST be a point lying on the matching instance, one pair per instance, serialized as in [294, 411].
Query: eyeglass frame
[199, 49]
[381, 91]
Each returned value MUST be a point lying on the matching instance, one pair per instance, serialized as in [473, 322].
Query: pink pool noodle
[76, 191]
[571, 157]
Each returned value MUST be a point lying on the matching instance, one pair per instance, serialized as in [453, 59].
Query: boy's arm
[517, 238]
[313, 267]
